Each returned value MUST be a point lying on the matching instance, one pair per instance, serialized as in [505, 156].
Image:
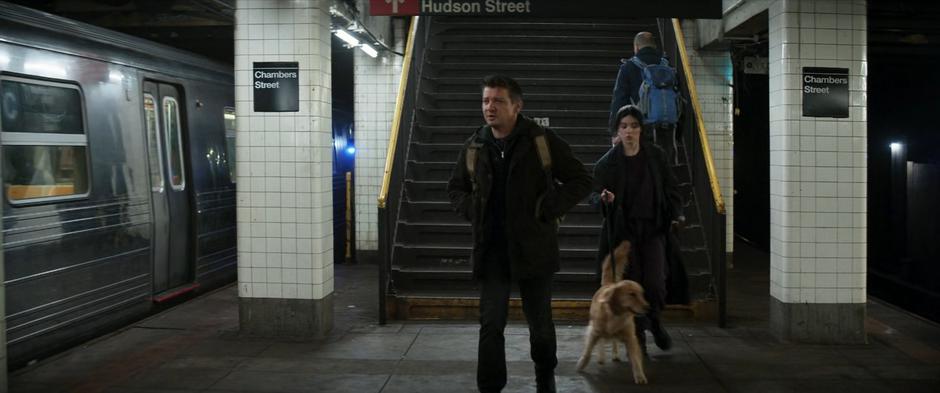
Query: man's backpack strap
[545, 155]
[639, 63]
[473, 152]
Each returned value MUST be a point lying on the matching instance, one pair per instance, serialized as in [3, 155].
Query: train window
[174, 141]
[36, 108]
[153, 143]
[44, 141]
[230, 140]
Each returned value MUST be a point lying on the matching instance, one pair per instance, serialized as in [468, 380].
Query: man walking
[514, 179]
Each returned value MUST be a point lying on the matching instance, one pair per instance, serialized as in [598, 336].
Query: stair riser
[448, 153]
[421, 171]
[459, 260]
[461, 237]
[459, 135]
[544, 105]
[423, 212]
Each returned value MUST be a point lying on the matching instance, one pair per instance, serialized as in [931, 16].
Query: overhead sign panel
[703, 9]
[825, 92]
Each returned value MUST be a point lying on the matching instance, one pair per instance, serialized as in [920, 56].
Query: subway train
[118, 179]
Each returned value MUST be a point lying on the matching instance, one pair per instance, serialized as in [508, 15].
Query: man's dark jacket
[608, 174]
[629, 79]
[532, 206]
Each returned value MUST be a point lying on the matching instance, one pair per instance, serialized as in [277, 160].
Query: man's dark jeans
[536, 295]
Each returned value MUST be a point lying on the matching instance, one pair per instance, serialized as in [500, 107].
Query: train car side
[81, 164]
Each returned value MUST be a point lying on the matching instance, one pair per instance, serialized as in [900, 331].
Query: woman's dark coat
[608, 174]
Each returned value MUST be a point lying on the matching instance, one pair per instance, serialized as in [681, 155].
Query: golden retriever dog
[612, 311]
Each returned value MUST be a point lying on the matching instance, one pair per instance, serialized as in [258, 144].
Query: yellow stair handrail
[396, 119]
[697, 108]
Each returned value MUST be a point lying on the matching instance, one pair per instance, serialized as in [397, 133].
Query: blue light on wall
[351, 150]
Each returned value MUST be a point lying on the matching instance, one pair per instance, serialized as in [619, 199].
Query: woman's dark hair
[624, 111]
[515, 92]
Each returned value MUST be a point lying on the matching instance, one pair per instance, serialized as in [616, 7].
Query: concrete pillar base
[301, 318]
[818, 323]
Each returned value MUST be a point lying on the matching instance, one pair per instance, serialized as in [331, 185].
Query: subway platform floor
[195, 347]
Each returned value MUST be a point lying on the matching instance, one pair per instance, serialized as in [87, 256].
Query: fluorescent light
[369, 50]
[895, 147]
[343, 35]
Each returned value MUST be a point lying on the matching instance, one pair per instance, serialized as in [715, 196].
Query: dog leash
[608, 211]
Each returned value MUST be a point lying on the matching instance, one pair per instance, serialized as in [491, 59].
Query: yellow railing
[697, 109]
[396, 119]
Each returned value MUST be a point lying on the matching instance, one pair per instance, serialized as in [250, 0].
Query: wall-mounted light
[895, 147]
[369, 50]
[348, 38]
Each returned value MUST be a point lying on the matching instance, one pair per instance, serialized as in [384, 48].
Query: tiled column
[712, 71]
[376, 80]
[817, 176]
[285, 246]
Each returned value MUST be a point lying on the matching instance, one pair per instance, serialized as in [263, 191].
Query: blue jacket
[629, 79]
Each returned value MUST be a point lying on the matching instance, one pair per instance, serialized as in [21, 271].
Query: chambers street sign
[276, 86]
[825, 92]
[702, 9]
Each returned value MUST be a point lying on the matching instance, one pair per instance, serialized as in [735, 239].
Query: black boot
[660, 335]
[545, 382]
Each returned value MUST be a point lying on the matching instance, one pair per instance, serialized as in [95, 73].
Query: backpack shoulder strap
[639, 63]
[473, 151]
[541, 147]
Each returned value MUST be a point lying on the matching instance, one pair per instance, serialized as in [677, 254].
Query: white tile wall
[818, 165]
[712, 70]
[284, 206]
[376, 81]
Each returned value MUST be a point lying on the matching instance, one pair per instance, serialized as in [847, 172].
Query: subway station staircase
[567, 69]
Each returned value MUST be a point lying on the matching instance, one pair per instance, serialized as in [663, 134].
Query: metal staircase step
[441, 171]
[458, 235]
[529, 85]
[440, 211]
[574, 135]
[583, 56]
[533, 41]
[595, 119]
[444, 258]
[447, 152]
[550, 101]
[532, 69]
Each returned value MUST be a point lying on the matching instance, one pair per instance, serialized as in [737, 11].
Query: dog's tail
[620, 258]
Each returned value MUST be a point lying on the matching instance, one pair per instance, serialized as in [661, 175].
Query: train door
[166, 130]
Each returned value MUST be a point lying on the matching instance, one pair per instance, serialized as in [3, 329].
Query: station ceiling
[206, 27]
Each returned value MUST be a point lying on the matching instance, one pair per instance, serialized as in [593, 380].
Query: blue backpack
[659, 93]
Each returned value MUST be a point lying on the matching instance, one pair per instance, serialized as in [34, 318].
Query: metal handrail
[396, 118]
[697, 109]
